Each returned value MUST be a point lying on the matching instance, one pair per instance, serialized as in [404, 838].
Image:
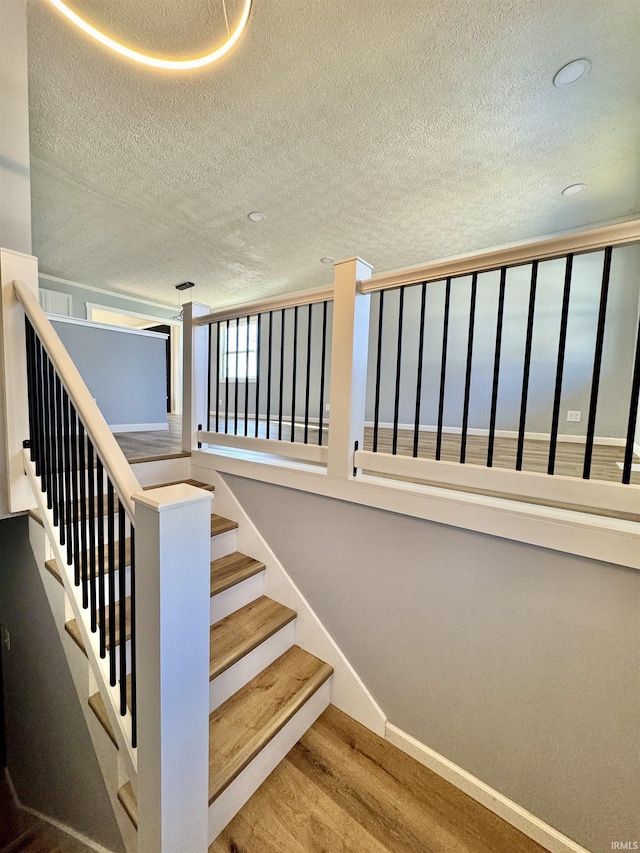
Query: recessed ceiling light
[571, 73]
[257, 217]
[327, 260]
[574, 189]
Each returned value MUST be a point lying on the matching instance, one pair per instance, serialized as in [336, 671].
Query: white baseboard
[493, 800]
[88, 842]
[137, 427]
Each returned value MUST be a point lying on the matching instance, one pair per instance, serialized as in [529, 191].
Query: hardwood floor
[342, 788]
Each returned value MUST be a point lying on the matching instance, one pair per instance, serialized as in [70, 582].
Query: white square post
[349, 353]
[195, 342]
[15, 265]
[172, 549]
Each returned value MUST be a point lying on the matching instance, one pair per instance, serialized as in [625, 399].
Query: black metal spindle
[48, 462]
[133, 692]
[30, 386]
[562, 342]
[83, 514]
[307, 385]
[597, 363]
[111, 558]
[467, 379]
[235, 395]
[294, 374]
[53, 444]
[376, 406]
[218, 342]
[226, 383]
[66, 432]
[42, 426]
[416, 426]
[322, 370]
[60, 472]
[246, 379]
[258, 357]
[75, 496]
[91, 512]
[37, 414]
[527, 365]
[280, 396]
[269, 363]
[496, 368]
[396, 403]
[122, 610]
[209, 380]
[443, 367]
[101, 558]
[633, 415]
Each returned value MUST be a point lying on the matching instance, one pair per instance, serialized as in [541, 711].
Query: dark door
[166, 330]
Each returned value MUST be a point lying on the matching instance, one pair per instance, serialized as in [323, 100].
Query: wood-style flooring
[343, 789]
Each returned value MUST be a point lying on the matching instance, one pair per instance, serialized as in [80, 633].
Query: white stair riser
[223, 544]
[232, 679]
[237, 596]
[229, 803]
[162, 471]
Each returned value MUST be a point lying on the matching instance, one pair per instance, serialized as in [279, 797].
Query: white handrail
[273, 303]
[554, 247]
[118, 469]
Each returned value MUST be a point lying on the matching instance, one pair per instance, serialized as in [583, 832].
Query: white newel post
[349, 351]
[173, 527]
[15, 265]
[195, 342]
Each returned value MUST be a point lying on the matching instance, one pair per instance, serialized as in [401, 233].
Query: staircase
[264, 690]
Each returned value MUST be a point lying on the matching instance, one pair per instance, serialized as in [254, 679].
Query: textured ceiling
[398, 130]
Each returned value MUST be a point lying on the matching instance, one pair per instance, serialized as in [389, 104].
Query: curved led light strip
[157, 62]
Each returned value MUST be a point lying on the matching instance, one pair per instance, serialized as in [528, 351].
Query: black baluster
[496, 368]
[308, 376]
[376, 406]
[282, 327]
[83, 514]
[101, 558]
[60, 458]
[269, 362]
[597, 363]
[396, 402]
[527, 365]
[28, 333]
[68, 511]
[562, 342]
[443, 367]
[91, 507]
[294, 373]
[209, 380]
[322, 370]
[122, 610]
[246, 378]
[111, 557]
[54, 445]
[75, 497]
[226, 383]
[218, 342]
[258, 355]
[416, 426]
[633, 415]
[48, 467]
[467, 380]
[235, 410]
[42, 418]
[133, 693]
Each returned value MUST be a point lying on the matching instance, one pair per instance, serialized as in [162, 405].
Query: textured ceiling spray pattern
[400, 132]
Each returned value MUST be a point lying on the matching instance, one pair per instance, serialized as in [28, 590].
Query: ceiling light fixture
[573, 189]
[571, 73]
[156, 61]
[327, 260]
[256, 217]
[180, 287]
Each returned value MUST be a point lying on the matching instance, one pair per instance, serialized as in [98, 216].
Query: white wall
[516, 663]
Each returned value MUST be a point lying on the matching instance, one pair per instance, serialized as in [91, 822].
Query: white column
[349, 353]
[195, 342]
[14, 265]
[173, 526]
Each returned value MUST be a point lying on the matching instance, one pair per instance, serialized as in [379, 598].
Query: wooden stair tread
[221, 525]
[127, 616]
[116, 561]
[231, 569]
[243, 630]
[128, 802]
[72, 628]
[54, 568]
[36, 515]
[197, 483]
[96, 703]
[249, 719]
[159, 457]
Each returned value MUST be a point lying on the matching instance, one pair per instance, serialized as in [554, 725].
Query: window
[239, 350]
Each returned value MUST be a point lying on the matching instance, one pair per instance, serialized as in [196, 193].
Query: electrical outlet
[327, 407]
[574, 416]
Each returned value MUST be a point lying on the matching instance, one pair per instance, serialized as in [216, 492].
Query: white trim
[271, 303]
[610, 540]
[138, 427]
[292, 449]
[88, 842]
[128, 296]
[516, 815]
[77, 321]
[605, 440]
[158, 321]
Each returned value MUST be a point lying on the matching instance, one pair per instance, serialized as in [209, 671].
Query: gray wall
[124, 371]
[50, 754]
[517, 663]
[619, 347]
